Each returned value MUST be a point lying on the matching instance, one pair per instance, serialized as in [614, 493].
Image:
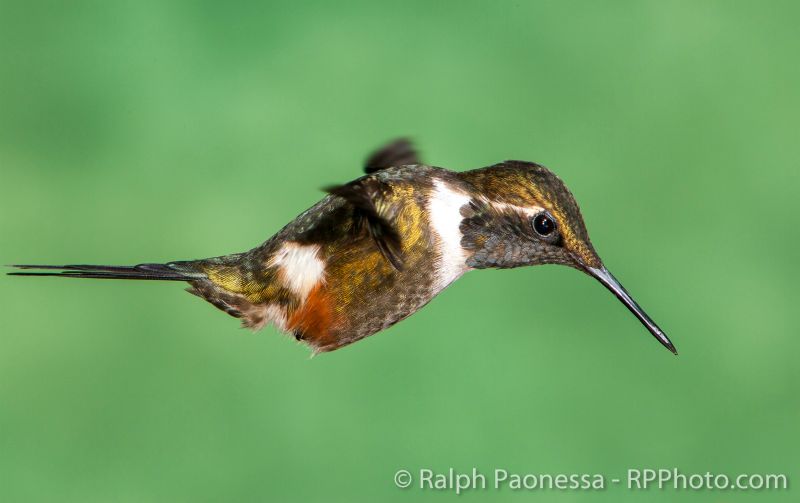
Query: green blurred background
[152, 131]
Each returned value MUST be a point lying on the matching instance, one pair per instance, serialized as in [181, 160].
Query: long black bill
[610, 282]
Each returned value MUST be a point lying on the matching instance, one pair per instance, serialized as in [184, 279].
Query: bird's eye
[543, 224]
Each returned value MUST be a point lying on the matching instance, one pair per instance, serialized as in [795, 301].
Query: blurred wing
[369, 197]
[400, 152]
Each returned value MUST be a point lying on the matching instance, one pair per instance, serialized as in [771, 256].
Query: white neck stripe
[444, 208]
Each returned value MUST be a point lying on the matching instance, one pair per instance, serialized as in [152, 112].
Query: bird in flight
[375, 250]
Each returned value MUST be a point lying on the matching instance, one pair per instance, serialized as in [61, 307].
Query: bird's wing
[374, 211]
[400, 152]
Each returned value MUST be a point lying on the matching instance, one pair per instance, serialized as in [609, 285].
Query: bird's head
[522, 214]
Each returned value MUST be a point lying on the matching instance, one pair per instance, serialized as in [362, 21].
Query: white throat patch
[444, 208]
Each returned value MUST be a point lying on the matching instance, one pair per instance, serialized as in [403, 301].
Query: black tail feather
[164, 272]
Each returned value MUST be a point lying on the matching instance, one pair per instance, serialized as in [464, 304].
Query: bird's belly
[360, 298]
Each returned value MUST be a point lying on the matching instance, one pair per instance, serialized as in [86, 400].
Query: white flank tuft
[271, 313]
[444, 208]
[299, 266]
[277, 315]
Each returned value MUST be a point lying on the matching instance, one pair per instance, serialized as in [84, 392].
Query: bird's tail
[173, 271]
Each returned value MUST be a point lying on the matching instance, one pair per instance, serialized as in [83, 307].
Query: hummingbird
[377, 249]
